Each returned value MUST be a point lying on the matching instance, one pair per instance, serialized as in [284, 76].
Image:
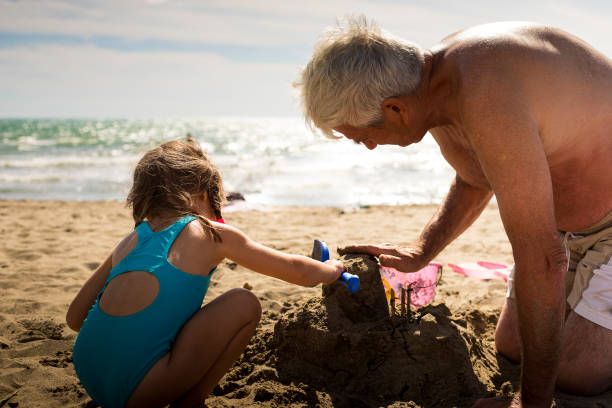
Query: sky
[238, 58]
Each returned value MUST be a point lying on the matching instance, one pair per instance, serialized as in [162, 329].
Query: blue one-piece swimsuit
[112, 354]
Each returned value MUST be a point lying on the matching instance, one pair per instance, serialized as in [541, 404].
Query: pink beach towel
[483, 270]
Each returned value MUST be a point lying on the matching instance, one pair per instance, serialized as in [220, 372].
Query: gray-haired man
[522, 111]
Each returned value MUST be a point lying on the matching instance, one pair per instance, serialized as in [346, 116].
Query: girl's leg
[233, 349]
[205, 348]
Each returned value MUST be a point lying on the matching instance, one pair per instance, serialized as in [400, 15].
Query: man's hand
[403, 258]
[499, 402]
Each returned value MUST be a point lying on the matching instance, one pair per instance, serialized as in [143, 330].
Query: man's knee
[583, 382]
[506, 346]
[507, 339]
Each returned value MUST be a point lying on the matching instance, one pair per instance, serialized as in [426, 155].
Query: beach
[49, 248]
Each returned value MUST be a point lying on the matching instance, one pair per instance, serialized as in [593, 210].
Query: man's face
[359, 135]
[372, 136]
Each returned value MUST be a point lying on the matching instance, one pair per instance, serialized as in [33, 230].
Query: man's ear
[395, 110]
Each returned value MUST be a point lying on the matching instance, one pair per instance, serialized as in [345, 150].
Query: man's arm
[504, 135]
[461, 207]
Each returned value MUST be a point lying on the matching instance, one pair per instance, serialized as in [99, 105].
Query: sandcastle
[350, 350]
[349, 345]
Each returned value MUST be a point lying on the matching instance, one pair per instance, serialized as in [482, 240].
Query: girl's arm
[297, 269]
[85, 299]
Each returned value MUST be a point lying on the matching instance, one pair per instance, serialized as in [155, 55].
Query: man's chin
[408, 141]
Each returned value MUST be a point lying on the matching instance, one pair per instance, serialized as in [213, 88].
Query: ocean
[271, 161]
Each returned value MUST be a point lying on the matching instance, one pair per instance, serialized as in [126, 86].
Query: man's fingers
[392, 261]
[357, 249]
[401, 262]
[375, 250]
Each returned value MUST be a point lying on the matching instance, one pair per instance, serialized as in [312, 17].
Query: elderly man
[522, 111]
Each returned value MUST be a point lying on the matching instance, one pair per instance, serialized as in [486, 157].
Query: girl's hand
[336, 272]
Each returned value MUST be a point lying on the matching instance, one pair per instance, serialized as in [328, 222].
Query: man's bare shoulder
[527, 56]
[477, 44]
[507, 32]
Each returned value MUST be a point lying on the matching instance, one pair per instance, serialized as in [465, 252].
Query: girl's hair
[167, 179]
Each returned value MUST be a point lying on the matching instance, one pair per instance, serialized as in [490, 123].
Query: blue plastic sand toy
[320, 252]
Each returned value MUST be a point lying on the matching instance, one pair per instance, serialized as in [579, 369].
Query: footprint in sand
[69, 270]
[13, 369]
[8, 285]
[71, 390]
[62, 359]
[24, 306]
[25, 255]
[4, 344]
[45, 329]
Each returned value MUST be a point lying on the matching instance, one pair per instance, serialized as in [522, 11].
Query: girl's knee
[247, 303]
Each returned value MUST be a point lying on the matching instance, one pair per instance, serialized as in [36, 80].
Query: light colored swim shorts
[588, 282]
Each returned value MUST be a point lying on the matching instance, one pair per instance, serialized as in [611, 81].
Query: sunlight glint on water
[274, 161]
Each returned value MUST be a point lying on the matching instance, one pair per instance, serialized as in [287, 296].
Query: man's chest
[460, 155]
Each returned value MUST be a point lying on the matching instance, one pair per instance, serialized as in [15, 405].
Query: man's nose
[370, 144]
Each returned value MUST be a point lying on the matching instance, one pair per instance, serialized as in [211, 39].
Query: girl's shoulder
[195, 235]
[196, 230]
[195, 251]
[125, 246]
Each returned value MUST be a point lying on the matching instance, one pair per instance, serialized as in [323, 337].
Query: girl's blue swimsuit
[112, 354]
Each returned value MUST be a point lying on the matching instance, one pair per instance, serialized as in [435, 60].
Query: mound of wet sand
[350, 350]
[346, 350]
[348, 344]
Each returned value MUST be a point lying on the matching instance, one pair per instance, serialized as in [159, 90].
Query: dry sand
[309, 350]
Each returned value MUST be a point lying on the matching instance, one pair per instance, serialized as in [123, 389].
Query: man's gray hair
[355, 66]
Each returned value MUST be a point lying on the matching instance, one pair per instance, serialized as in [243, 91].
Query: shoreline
[273, 206]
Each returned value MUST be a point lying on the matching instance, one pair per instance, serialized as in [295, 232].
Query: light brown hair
[167, 179]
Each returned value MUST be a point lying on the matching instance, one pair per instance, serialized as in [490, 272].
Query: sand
[312, 347]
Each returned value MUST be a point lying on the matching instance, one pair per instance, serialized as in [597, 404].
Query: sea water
[271, 161]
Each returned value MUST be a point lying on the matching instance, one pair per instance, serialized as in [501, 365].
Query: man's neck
[438, 92]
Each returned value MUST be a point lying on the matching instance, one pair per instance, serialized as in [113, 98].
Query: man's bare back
[540, 65]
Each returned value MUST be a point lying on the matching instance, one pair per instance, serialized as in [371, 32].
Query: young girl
[144, 340]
